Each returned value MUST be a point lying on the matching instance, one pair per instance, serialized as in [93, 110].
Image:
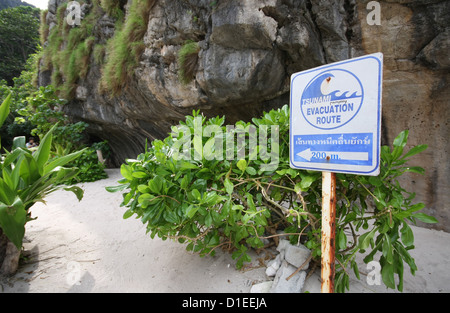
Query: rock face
[288, 269]
[247, 51]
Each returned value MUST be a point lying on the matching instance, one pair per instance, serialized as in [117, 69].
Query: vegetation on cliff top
[70, 48]
[126, 47]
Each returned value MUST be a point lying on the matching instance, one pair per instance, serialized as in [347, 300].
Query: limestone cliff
[245, 52]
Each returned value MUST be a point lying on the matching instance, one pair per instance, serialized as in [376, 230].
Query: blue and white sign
[336, 117]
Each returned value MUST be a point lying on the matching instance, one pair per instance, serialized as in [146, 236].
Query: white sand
[87, 247]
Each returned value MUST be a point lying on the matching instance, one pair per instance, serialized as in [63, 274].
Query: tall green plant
[27, 177]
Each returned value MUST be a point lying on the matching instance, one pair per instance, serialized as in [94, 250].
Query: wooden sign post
[328, 231]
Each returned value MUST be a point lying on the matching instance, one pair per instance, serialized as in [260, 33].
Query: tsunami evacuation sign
[335, 117]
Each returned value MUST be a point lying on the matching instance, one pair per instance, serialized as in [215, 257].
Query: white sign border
[374, 171]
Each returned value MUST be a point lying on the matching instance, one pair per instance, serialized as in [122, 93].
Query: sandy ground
[87, 247]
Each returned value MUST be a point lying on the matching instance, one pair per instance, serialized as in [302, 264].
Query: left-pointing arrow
[306, 154]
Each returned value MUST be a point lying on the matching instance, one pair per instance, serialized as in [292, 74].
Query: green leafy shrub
[90, 169]
[43, 109]
[234, 203]
[27, 177]
[23, 87]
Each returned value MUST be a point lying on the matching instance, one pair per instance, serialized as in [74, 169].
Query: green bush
[27, 177]
[43, 108]
[23, 87]
[234, 203]
[90, 169]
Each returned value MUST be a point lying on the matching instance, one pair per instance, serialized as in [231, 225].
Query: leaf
[7, 195]
[237, 207]
[242, 165]
[155, 184]
[212, 198]
[196, 194]
[406, 257]
[7, 178]
[208, 219]
[342, 240]
[139, 174]
[145, 198]
[12, 221]
[376, 181]
[399, 144]
[398, 268]
[63, 161]
[355, 269]
[170, 216]
[297, 187]
[198, 146]
[185, 182]
[415, 150]
[386, 249]
[412, 209]
[214, 241]
[401, 139]
[126, 172]
[228, 186]
[19, 142]
[4, 109]
[15, 174]
[11, 157]
[192, 210]
[43, 152]
[281, 172]
[387, 274]
[416, 169]
[113, 189]
[127, 214]
[208, 149]
[386, 154]
[425, 218]
[407, 235]
[307, 180]
[364, 240]
[143, 188]
[187, 165]
[77, 191]
[250, 170]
